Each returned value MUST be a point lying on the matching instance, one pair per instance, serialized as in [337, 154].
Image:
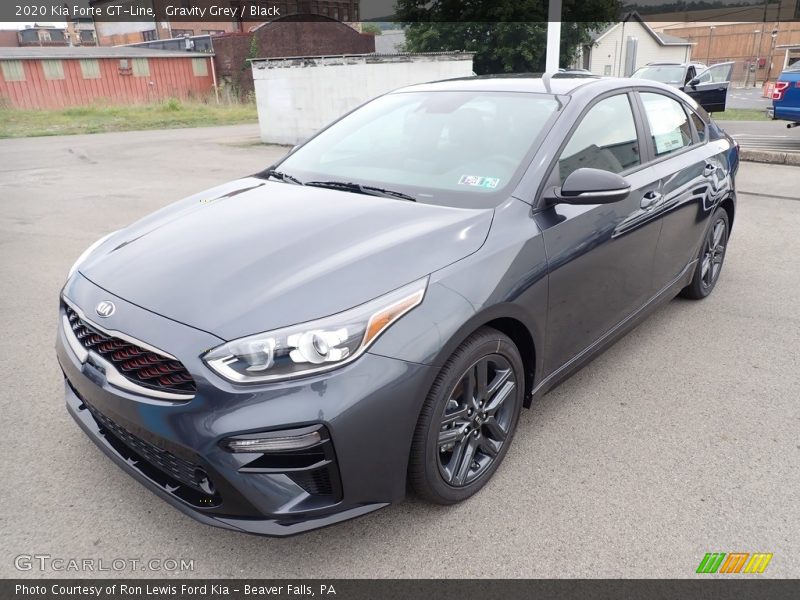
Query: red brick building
[9, 38]
[163, 27]
[78, 32]
[39, 78]
[295, 35]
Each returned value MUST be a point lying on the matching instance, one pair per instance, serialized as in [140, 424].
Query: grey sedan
[291, 349]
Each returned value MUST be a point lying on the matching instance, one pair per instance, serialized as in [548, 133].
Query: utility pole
[760, 39]
[771, 53]
[710, 37]
[553, 55]
[750, 63]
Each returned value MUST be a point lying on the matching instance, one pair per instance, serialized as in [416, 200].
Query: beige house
[623, 47]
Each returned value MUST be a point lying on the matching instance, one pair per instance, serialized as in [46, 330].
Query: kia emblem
[105, 309]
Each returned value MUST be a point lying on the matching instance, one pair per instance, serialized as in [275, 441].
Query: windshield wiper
[358, 188]
[281, 176]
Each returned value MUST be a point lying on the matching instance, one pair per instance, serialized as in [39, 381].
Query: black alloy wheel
[712, 255]
[468, 419]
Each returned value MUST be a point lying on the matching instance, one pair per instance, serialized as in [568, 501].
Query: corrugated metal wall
[169, 77]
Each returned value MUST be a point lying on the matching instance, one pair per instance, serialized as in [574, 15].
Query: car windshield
[670, 74]
[453, 148]
[793, 67]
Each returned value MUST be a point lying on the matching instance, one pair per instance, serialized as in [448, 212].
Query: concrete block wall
[297, 97]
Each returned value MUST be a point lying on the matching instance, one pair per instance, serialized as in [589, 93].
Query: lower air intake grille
[182, 470]
[316, 482]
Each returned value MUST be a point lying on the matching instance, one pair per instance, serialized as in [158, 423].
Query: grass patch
[741, 114]
[171, 114]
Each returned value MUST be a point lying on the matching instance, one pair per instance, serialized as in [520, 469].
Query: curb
[770, 156]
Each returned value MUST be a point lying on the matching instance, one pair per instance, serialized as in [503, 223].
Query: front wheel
[712, 255]
[468, 419]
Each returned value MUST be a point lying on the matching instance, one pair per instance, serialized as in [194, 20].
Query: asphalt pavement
[747, 97]
[681, 439]
[762, 135]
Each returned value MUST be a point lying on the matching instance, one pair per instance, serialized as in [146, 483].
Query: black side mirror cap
[592, 186]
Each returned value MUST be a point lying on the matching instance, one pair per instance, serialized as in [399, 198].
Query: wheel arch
[510, 320]
[523, 340]
[730, 208]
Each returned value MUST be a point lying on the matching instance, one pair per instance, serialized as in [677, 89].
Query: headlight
[316, 346]
[86, 253]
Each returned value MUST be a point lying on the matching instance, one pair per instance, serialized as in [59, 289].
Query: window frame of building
[53, 69]
[150, 35]
[200, 67]
[28, 36]
[140, 67]
[90, 68]
[13, 70]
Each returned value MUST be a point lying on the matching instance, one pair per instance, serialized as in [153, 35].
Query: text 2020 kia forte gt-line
[291, 349]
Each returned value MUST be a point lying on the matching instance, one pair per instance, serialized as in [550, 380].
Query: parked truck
[786, 96]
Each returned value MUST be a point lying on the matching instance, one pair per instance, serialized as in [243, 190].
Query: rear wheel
[712, 255]
[468, 419]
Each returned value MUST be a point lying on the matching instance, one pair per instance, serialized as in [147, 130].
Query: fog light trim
[273, 443]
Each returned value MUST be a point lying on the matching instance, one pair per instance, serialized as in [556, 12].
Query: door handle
[649, 199]
[709, 169]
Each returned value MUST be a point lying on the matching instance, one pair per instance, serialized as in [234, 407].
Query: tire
[712, 255]
[453, 423]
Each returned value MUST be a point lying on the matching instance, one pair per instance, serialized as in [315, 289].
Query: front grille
[183, 471]
[138, 365]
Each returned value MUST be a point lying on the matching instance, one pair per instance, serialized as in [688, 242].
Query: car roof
[583, 87]
[674, 64]
[562, 83]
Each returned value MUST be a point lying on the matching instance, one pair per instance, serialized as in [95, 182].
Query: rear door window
[669, 125]
[699, 126]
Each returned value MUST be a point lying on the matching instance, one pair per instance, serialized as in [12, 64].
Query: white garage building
[623, 47]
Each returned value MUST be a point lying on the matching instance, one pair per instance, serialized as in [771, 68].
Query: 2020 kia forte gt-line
[291, 349]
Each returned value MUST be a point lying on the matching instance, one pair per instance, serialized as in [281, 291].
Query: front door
[600, 257]
[710, 88]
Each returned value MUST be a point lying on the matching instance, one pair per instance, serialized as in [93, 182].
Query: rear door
[693, 179]
[600, 257]
[710, 88]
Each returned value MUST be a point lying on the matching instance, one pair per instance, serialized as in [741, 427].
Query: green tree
[507, 36]
[371, 28]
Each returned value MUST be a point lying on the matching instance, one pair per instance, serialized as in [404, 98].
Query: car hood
[252, 255]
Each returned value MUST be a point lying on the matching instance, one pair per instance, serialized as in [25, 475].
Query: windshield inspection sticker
[475, 181]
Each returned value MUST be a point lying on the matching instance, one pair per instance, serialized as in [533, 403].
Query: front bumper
[367, 412]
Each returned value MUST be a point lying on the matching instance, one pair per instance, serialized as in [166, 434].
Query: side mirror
[693, 83]
[593, 186]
